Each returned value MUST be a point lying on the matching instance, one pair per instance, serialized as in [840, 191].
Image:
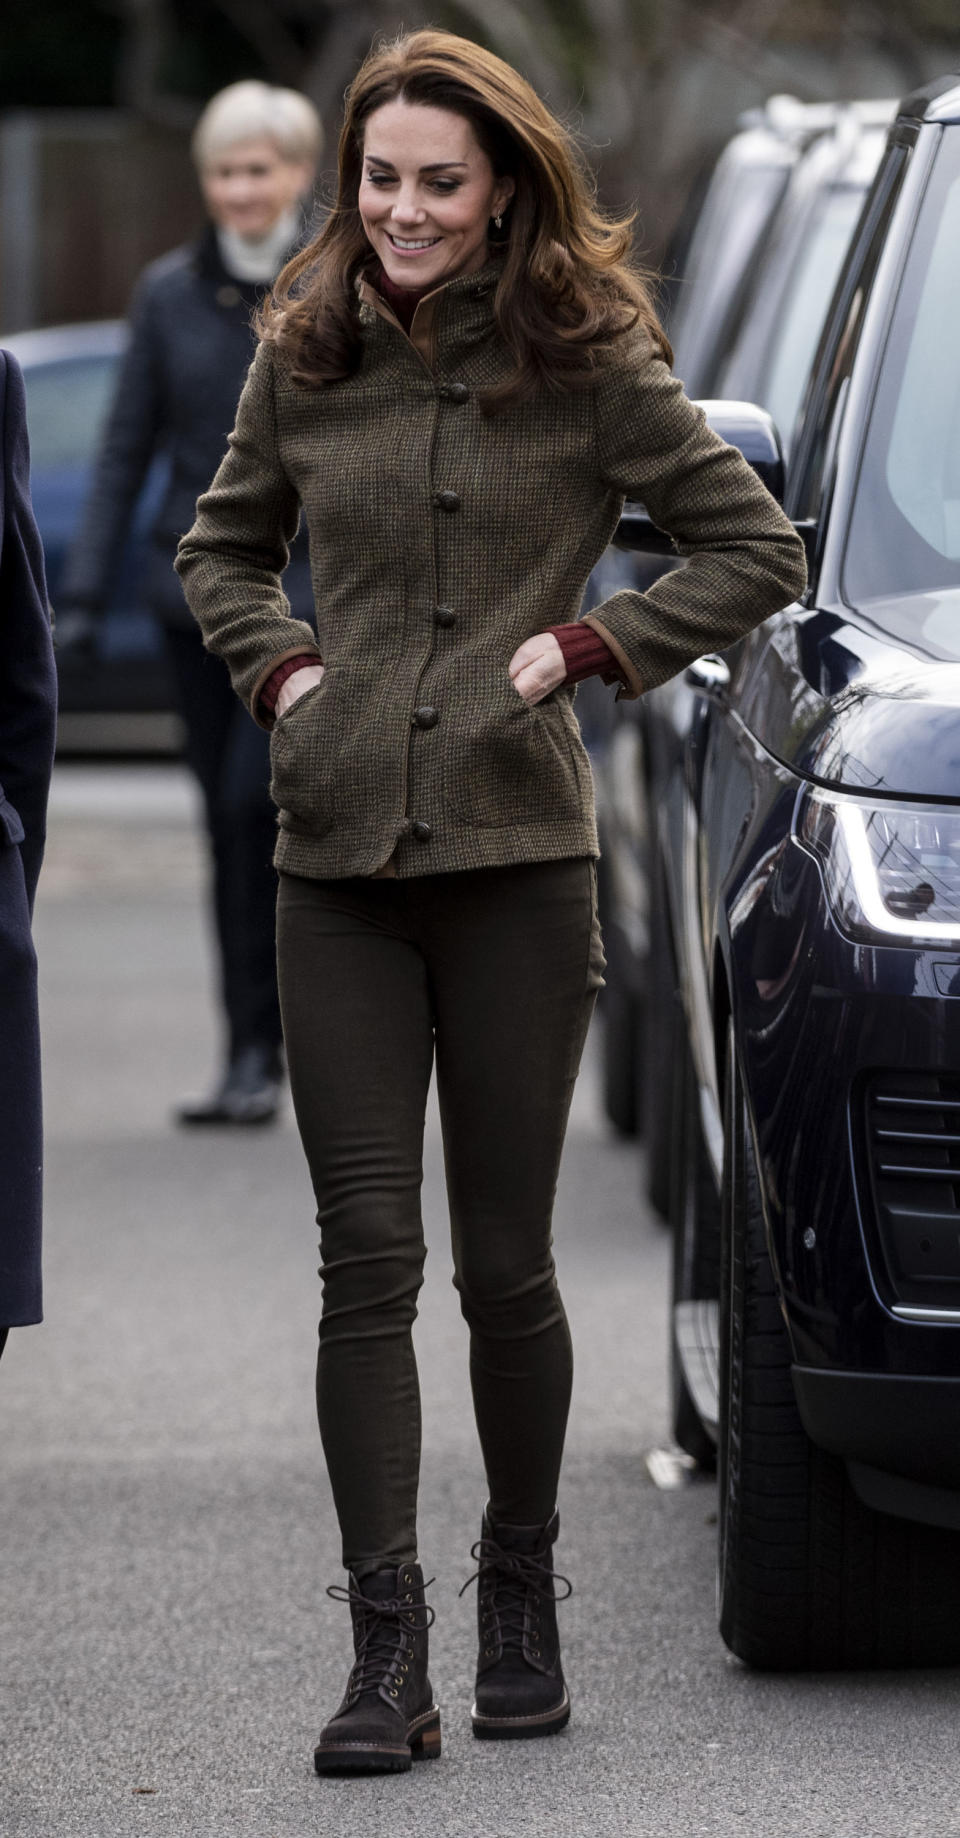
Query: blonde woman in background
[255, 148]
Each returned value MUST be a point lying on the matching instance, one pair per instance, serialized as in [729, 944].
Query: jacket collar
[461, 311]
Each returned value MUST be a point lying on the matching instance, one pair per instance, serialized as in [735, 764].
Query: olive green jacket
[440, 540]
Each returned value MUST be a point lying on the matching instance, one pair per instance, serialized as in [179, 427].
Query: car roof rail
[915, 106]
[790, 118]
[873, 111]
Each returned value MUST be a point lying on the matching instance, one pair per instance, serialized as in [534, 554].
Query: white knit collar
[259, 258]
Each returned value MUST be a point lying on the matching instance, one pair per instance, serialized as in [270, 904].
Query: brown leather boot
[520, 1686]
[388, 1717]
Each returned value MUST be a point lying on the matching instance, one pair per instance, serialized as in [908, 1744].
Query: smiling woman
[568, 285]
[458, 382]
[428, 193]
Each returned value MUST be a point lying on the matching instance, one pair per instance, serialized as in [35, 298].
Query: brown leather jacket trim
[423, 331]
[632, 684]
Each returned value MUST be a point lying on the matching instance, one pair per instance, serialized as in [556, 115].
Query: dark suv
[769, 242]
[803, 816]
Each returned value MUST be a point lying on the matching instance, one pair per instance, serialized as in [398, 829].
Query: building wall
[86, 198]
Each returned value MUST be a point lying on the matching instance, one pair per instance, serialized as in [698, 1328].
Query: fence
[86, 198]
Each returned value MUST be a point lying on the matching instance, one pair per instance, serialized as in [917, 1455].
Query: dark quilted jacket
[440, 540]
[190, 347]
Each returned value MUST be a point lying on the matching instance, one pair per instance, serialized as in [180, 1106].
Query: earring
[499, 222]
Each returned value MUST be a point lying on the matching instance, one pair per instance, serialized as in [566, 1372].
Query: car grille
[913, 1145]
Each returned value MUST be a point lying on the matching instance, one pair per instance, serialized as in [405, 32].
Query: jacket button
[228, 296]
[420, 830]
[444, 615]
[456, 392]
[447, 500]
[425, 717]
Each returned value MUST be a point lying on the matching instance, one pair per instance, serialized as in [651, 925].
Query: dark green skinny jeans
[496, 972]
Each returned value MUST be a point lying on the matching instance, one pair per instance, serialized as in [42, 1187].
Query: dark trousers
[230, 757]
[495, 972]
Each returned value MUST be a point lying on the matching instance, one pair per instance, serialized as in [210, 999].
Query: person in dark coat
[28, 713]
[191, 343]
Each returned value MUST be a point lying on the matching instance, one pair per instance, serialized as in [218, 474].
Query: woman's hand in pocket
[537, 667]
[296, 685]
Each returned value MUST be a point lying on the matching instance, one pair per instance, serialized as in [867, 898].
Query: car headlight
[891, 871]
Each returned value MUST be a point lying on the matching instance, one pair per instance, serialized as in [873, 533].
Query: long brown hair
[567, 287]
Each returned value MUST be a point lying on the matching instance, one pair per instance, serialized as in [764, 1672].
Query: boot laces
[381, 1645]
[512, 1576]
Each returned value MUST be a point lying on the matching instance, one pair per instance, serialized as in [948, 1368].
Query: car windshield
[902, 562]
[67, 402]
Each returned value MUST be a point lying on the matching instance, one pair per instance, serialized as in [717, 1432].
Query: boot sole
[518, 1729]
[423, 1744]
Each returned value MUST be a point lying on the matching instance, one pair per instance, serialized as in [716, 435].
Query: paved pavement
[165, 1527]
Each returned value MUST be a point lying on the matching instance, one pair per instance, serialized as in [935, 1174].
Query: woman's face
[248, 187]
[427, 193]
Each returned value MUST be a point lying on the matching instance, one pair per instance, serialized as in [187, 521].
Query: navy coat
[191, 345]
[28, 710]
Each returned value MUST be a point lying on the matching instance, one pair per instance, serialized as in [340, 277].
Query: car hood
[842, 703]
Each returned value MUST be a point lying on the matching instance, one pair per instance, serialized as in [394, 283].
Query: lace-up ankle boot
[388, 1717]
[520, 1686]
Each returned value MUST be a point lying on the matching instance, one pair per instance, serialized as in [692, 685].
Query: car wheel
[808, 1577]
[621, 1087]
[663, 1021]
[695, 1267]
[621, 1011]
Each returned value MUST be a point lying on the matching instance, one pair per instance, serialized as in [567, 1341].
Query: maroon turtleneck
[403, 300]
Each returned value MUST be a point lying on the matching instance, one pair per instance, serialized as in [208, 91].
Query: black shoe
[520, 1685]
[388, 1718]
[249, 1091]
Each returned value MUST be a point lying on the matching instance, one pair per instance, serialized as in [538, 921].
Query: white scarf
[259, 258]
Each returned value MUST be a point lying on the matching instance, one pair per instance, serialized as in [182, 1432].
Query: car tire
[621, 1010]
[694, 1223]
[808, 1577]
[663, 1019]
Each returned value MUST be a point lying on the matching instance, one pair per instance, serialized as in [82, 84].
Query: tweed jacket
[440, 540]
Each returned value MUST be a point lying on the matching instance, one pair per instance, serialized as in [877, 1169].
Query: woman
[255, 149]
[458, 382]
[28, 714]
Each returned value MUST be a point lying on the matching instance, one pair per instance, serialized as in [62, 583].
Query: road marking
[670, 1468]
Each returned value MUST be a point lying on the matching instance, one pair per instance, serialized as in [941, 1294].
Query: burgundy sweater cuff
[267, 699]
[585, 653]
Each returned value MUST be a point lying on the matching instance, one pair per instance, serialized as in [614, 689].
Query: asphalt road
[165, 1527]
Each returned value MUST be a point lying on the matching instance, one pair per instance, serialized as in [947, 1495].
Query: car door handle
[708, 674]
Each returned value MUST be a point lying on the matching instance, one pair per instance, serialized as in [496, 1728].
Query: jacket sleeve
[133, 431]
[744, 559]
[232, 559]
[28, 682]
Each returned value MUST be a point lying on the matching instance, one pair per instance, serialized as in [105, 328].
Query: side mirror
[740, 424]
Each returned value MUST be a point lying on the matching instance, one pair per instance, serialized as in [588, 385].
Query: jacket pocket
[304, 743]
[503, 761]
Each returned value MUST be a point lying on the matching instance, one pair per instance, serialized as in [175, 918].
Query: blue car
[124, 700]
[802, 818]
